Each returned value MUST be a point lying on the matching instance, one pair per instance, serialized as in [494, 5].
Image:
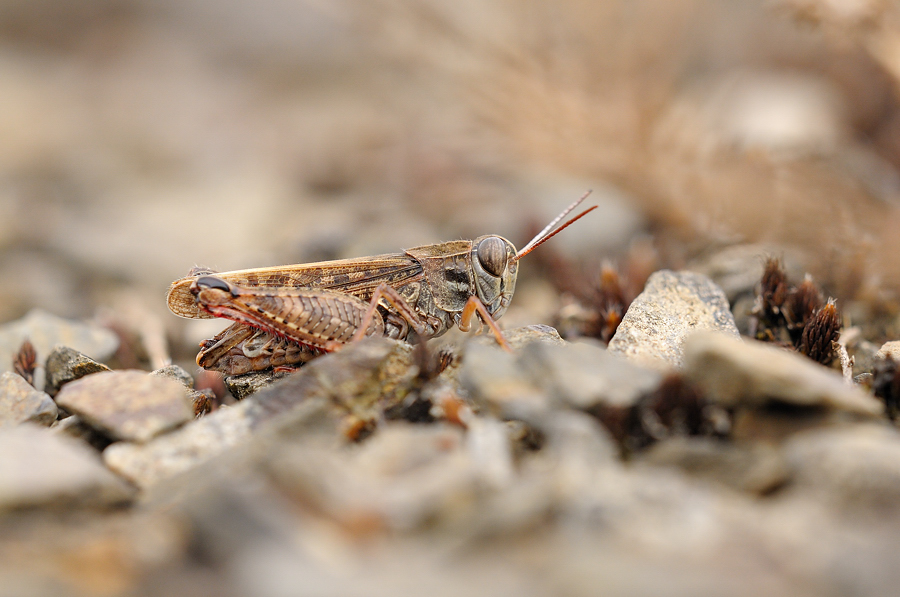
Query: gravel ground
[701, 392]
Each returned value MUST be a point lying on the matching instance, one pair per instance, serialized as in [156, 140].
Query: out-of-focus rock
[20, 402]
[856, 468]
[495, 381]
[177, 373]
[46, 331]
[67, 364]
[889, 349]
[585, 375]
[519, 337]
[751, 374]
[183, 449]
[127, 405]
[75, 427]
[737, 269]
[757, 468]
[41, 468]
[672, 306]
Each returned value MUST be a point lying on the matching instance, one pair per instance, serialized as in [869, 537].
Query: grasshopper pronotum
[288, 314]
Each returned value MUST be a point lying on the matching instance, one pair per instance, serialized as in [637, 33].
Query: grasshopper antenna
[549, 232]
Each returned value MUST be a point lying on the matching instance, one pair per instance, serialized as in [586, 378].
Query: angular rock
[46, 331]
[20, 402]
[41, 468]
[177, 373]
[752, 374]
[672, 306]
[127, 405]
[66, 364]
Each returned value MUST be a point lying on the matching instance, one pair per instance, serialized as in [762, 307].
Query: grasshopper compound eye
[213, 283]
[492, 255]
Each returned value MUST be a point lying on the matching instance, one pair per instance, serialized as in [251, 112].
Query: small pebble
[67, 364]
[127, 405]
[20, 402]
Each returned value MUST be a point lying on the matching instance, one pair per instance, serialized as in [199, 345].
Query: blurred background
[139, 138]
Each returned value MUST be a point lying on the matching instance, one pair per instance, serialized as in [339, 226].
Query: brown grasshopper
[287, 315]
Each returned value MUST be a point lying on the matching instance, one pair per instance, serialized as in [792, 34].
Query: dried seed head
[25, 361]
[819, 332]
[773, 287]
[802, 302]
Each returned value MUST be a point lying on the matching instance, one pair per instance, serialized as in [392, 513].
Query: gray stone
[20, 402]
[177, 373]
[46, 331]
[585, 374]
[41, 468]
[749, 373]
[495, 381]
[672, 306]
[855, 468]
[127, 405]
[66, 364]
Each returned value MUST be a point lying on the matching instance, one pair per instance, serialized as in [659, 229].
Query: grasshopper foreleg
[474, 305]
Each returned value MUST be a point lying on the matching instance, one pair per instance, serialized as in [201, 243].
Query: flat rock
[66, 364]
[748, 373]
[672, 306]
[20, 402]
[46, 331]
[127, 405]
[41, 468]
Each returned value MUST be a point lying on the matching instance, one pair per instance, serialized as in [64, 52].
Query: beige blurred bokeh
[143, 137]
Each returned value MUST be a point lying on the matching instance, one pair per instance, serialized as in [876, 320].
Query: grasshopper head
[493, 259]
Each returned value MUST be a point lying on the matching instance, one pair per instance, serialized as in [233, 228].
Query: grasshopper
[287, 315]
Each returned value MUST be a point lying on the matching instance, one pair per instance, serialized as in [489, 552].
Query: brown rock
[67, 364]
[128, 405]
[20, 402]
